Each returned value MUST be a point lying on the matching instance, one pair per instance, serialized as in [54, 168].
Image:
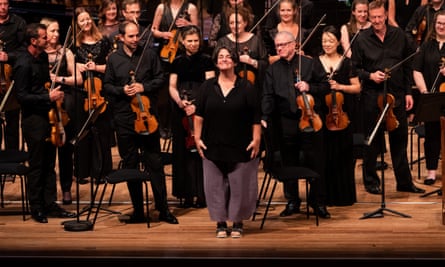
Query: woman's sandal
[221, 230]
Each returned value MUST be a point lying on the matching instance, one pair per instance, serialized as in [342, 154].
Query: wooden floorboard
[417, 240]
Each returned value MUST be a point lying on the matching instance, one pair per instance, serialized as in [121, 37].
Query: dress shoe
[39, 216]
[168, 217]
[410, 188]
[322, 212]
[188, 203]
[429, 181]
[133, 219]
[56, 211]
[291, 208]
[373, 189]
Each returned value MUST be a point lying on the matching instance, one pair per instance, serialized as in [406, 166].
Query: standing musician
[422, 21]
[122, 86]
[289, 21]
[189, 70]
[220, 23]
[169, 18]
[36, 102]
[92, 50]
[374, 51]
[12, 33]
[428, 73]
[68, 79]
[286, 79]
[344, 84]
[252, 52]
[417, 28]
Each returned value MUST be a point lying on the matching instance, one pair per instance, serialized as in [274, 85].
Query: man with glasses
[286, 79]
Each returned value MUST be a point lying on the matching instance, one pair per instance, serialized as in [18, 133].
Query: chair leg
[22, 188]
[100, 203]
[111, 194]
[307, 199]
[2, 187]
[147, 204]
[260, 194]
[268, 204]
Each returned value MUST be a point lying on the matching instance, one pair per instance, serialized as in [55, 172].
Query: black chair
[418, 130]
[120, 176]
[13, 164]
[280, 173]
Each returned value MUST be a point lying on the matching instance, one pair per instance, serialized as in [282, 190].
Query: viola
[145, 123]
[187, 123]
[391, 120]
[245, 73]
[93, 85]
[309, 121]
[5, 73]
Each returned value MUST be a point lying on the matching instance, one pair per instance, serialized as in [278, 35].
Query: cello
[145, 123]
[93, 85]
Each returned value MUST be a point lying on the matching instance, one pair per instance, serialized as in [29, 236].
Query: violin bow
[53, 82]
[337, 67]
[145, 47]
[313, 30]
[264, 16]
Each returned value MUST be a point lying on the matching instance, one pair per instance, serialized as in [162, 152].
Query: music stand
[85, 225]
[430, 108]
[379, 212]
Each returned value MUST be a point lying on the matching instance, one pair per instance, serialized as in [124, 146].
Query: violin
[391, 120]
[145, 123]
[169, 50]
[336, 119]
[245, 73]
[5, 73]
[309, 121]
[418, 32]
[442, 85]
[187, 123]
[58, 118]
[93, 85]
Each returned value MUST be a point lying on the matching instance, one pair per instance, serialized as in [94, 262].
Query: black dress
[187, 177]
[339, 167]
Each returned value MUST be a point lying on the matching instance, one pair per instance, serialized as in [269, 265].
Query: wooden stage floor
[417, 240]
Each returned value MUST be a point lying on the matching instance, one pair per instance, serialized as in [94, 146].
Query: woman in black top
[188, 72]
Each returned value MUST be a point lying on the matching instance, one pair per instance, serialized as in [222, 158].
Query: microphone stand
[379, 212]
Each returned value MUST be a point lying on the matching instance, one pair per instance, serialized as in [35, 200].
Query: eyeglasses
[282, 44]
[438, 23]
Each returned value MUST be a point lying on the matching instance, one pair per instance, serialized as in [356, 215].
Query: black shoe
[381, 165]
[291, 208]
[429, 181]
[39, 216]
[56, 211]
[83, 181]
[322, 212]
[133, 219]
[373, 189]
[188, 203]
[168, 217]
[411, 189]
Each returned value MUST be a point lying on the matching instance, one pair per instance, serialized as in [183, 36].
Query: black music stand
[83, 225]
[430, 108]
